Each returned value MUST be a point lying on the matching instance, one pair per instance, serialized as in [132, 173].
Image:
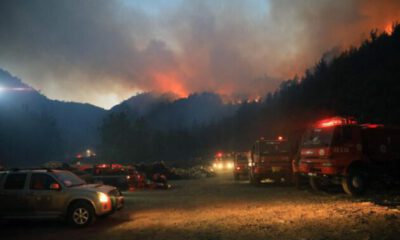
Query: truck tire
[355, 183]
[81, 214]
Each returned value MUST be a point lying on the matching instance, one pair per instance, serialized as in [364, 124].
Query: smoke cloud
[105, 51]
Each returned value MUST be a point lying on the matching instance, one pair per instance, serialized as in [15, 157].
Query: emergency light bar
[335, 121]
[371, 125]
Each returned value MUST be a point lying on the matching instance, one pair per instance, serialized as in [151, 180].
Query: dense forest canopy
[360, 82]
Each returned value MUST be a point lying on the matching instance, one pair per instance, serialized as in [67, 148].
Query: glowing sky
[104, 51]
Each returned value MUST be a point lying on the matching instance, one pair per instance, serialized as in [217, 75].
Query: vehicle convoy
[45, 193]
[271, 159]
[339, 150]
[241, 163]
[223, 161]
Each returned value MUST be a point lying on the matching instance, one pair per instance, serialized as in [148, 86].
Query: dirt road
[219, 208]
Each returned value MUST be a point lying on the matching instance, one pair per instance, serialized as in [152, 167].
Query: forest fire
[258, 119]
[389, 28]
[170, 82]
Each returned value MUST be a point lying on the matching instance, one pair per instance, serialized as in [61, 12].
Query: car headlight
[103, 198]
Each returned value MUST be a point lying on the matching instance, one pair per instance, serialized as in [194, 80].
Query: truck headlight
[327, 164]
[103, 198]
[229, 165]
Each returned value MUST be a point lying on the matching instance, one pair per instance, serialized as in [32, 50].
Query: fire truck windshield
[272, 148]
[318, 137]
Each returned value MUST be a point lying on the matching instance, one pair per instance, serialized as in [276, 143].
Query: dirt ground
[219, 208]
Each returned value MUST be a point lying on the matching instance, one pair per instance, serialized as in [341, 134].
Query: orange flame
[170, 82]
[389, 28]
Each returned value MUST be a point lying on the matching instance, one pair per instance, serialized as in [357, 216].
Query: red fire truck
[241, 163]
[339, 150]
[271, 159]
[223, 162]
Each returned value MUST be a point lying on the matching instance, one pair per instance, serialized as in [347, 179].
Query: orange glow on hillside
[389, 28]
[170, 82]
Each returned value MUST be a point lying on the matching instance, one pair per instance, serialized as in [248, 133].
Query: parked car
[114, 175]
[45, 193]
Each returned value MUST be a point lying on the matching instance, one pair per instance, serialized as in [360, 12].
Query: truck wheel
[355, 183]
[317, 184]
[236, 177]
[81, 214]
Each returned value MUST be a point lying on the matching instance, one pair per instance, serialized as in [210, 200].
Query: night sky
[104, 51]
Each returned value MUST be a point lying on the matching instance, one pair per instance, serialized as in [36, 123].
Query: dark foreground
[219, 208]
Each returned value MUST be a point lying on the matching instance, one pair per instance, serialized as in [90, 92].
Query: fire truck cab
[339, 150]
[271, 159]
[241, 163]
[223, 162]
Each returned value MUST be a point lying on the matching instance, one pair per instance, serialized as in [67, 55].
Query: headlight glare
[103, 198]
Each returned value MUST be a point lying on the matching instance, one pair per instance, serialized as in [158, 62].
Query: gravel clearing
[219, 208]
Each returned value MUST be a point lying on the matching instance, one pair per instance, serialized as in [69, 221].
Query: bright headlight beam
[229, 165]
[103, 198]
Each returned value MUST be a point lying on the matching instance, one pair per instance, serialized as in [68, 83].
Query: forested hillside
[35, 129]
[362, 82]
